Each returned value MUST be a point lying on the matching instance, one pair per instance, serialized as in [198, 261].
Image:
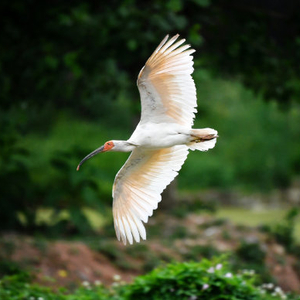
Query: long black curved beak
[99, 150]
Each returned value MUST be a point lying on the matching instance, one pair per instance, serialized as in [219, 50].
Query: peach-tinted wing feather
[138, 186]
[167, 90]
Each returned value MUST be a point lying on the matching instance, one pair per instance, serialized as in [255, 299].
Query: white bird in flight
[162, 139]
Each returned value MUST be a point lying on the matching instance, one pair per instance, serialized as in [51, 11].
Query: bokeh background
[68, 83]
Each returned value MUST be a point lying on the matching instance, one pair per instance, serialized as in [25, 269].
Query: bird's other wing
[166, 87]
[138, 186]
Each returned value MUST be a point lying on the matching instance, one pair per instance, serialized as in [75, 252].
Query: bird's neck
[123, 146]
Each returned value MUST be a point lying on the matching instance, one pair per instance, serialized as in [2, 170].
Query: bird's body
[161, 141]
[155, 135]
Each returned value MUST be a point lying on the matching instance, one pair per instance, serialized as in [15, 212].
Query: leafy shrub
[8, 267]
[251, 252]
[198, 251]
[18, 193]
[207, 280]
[71, 191]
[204, 280]
[78, 60]
[18, 287]
[284, 231]
[183, 207]
[251, 256]
[38, 174]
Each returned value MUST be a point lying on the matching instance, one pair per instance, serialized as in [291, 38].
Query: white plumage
[162, 139]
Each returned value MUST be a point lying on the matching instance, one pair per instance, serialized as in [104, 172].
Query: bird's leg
[203, 138]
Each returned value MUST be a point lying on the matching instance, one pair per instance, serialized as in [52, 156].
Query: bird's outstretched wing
[138, 186]
[166, 86]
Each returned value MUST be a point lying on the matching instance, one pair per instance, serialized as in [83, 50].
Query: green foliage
[251, 252]
[256, 45]
[205, 280]
[197, 252]
[74, 191]
[251, 256]
[18, 287]
[183, 207]
[17, 187]
[255, 139]
[84, 55]
[39, 176]
[8, 267]
[180, 232]
[284, 231]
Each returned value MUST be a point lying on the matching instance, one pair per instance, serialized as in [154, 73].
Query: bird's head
[121, 146]
[108, 146]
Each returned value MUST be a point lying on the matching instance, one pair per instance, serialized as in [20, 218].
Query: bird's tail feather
[203, 139]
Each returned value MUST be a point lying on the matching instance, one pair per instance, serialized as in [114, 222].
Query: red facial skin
[108, 146]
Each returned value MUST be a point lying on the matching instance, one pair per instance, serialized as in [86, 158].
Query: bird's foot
[204, 138]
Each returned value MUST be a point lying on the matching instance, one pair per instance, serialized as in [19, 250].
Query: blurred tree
[82, 55]
[78, 56]
[18, 193]
[260, 42]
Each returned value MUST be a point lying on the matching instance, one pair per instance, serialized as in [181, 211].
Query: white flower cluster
[217, 267]
[97, 283]
[117, 277]
[277, 291]
[39, 298]
[248, 272]
[228, 275]
[117, 281]
[87, 284]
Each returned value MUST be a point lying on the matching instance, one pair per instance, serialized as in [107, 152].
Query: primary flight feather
[162, 139]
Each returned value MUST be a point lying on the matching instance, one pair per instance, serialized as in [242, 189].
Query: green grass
[247, 217]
